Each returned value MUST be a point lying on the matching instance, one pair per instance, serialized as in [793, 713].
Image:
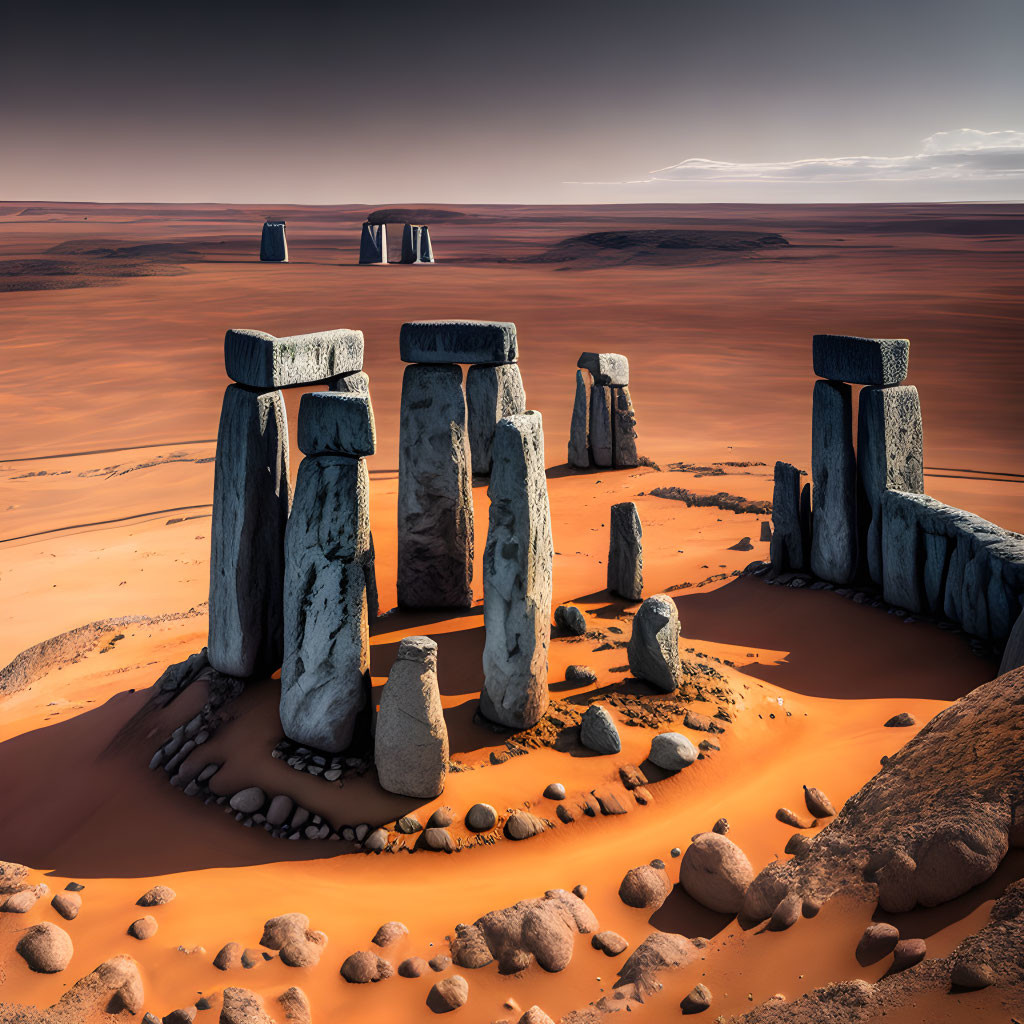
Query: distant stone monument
[373, 245]
[416, 247]
[603, 427]
[274, 243]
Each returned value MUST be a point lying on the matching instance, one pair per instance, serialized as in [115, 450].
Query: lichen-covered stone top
[458, 341]
[335, 423]
[609, 369]
[259, 360]
[879, 361]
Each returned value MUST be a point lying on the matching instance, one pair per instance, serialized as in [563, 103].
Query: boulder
[280, 810]
[261, 361]
[834, 472]
[972, 975]
[143, 928]
[625, 552]
[67, 904]
[579, 428]
[441, 817]
[458, 341]
[46, 948]
[523, 825]
[249, 800]
[581, 674]
[554, 791]
[787, 913]
[229, 957]
[645, 887]
[299, 945]
[364, 967]
[660, 951]
[878, 941]
[413, 967]
[336, 423]
[389, 933]
[817, 803]
[448, 994]
[654, 643]
[901, 721]
[295, 1004]
[535, 1015]
[908, 953]
[13, 877]
[876, 361]
[571, 619]
[715, 872]
[156, 897]
[376, 841]
[598, 732]
[609, 369]
[672, 751]
[492, 393]
[696, 1001]
[241, 1006]
[610, 943]
[408, 824]
[481, 818]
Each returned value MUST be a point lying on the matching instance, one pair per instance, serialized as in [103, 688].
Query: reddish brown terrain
[111, 323]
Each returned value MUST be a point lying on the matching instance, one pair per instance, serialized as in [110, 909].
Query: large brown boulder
[645, 887]
[46, 948]
[300, 945]
[364, 967]
[660, 951]
[716, 872]
[241, 1006]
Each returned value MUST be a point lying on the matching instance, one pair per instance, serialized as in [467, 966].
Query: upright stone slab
[788, 542]
[624, 454]
[890, 457]
[332, 423]
[410, 244]
[579, 428]
[602, 443]
[625, 552]
[426, 249]
[834, 472]
[274, 242]
[251, 497]
[608, 369]
[878, 361]
[517, 577]
[373, 243]
[492, 393]
[654, 643]
[458, 341]
[435, 501]
[259, 360]
[325, 682]
[411, 741]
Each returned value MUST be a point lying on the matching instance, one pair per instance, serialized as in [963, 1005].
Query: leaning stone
[579, 427]
[654, 643]
[517, 577]
[411, 742]
[408, 824]
[458, 341]
[878, 361]
[230, 956]
[554, 791]
[788, 544]
[834, 471]
[890, 457]
[609, 369]
[46, 948]
[625, 552]
[492, 393]
[259, 360]
[435, 502]
[672, 751]
[598, 732]
[602, 445]
[333, 423]
[274, 242]
[251, 498]
[624, 454]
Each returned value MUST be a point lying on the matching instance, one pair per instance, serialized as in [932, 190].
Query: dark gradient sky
[509, 102]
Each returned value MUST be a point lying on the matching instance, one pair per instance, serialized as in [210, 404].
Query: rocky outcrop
[654, 643]
[877, 361]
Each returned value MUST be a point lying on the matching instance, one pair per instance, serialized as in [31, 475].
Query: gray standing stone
[411, 741]
[373, 243]
[878, 361]
[325, 674]
[890, 457]
[332, 423]
[435, 501]
[259, 360]
[356, 383]
[416, 247]
[517, 576]
[579, 428]
[608, 369]
[787, 536]
[251, 496]
[1013, 653]
[492, 393]
[625, 552]
[598, 732]
[274, 242]
[834, 471]
[458, 341]
[624, 454]
[654, 643]
[426, 250]
[602, 444]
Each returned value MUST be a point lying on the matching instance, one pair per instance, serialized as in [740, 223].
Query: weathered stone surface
[411, 742]
[251, 497]
[579, 427]
[672, 751]
[609, 369]
[908, 953]
[357, 383]
[523, 825]
[448, 994]
[878, 361]
[259, 360]
[46, 948]
[373, 243]
[295, 1004]
[325, 671]
[333, 423]
[481, 818]
[1013, 653]
[654, 643]
[602, 443]
[598, 732]
[697, 1000]
[571, 619]
[517, 576]
[274, 242]
[788, 542]
[625, 552]
[624, 454]
[115, 986]
[660, 951]
[492, 393]
[157, 896]
[610, 943]
[143, 928]
[715, 872]
[890, 457]
[458, 341]
[646, 887]
[834, 471]
[435, 502]
[242, 1006]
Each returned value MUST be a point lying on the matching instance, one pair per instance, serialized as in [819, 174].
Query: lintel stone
[608, 369]
[458, 341]
[259, 360]
[333, 423]
[878, 361]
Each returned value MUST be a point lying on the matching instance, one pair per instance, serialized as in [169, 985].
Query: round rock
[413, 967]
[448, 994]
[388, 933]
[249, 800]
[715, 872]
[645, 887]
[481, 818]
[672, 751]
[908, 953]
[697, 1001]
[46, 948]
[156, 897]
[143, 928]
[555, 791]
[364, 967]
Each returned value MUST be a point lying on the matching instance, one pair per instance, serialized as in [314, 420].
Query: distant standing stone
[878, 361]
[492, 393]
[788, 544]
[654, 643]
[598, 732]
[411, 744]
[579, 428]
[601, 439]
[625, 552]
[834, 471]
[624, 454]
[458, 341]
[672, 751]
[274, 242]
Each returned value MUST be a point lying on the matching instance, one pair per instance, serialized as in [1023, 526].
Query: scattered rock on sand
[364, 967]
[972, 975]
[697, 1001]
[879, 940]
[230, 956]
[143, 928]
[295, 1004]
[817, 803]
[481, 818]
[571, 619]
[787, 913]
[249, 800]
[672, 751]
[439, 839]
[646, 887]
[376, 841]
[901, 721]
[610, 943]
[580, 891]
[183, 1015]
[908, 953]
[721, 826]
[299, 945]
[654, 643]
[413, 967]
[535, 1015]
[791, 818]
[241, 1006]
[554, 791]
[46, 948]
[156, 897]
[598, 732]
[67, 904]
[523, 825]
[440, 963]
[441, 818]
[389, 932]
[448, 994]
[21, 902]
[580, 674]
[715, 872]
[408, 824]
[660, 951]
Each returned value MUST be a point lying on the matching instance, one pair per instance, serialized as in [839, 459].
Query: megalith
[492, 393]
[426, 249]
[788, 542]
[416, 247]
[373, 243]
[609, 369]
[601, 444]
[877, 361]
[251, 497]
[624, 454]
[834, 473]
[579, 428]
[517, 576]
[625, 552]
[274, 242]
[259, 360]
[458, 341]
[411, 740]
[654, 643]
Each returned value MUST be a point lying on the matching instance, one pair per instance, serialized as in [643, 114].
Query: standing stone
[274, 243]
[373, 244]
[435, 501]
[834, 472]
[625, 552]
[890, 457]
[517, 576]
[426, 249]
[416, 247]
[325, 680]
[654, 643]
[492, 393]
[251, 496]
[601, 442]
[624, 454]
[411, 742]
[787, 538]
[579, 429]
[878, 361]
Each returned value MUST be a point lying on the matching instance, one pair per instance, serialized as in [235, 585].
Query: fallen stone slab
[608, 369]
[259, 360]
[274, 242]
[878, 361]
[458, 341]
[332, 423]
[492, 393]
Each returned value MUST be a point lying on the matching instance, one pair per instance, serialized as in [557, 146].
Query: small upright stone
[333, 423]
[492, 393]
[579, 428]
[878, 361]
[788, 544]
[259, 360]
[274, 242]
[458, 341]
[609, 369]
[602, 444]
[625, 552]
[411, 743]
[654, 643]
[598, 732]
[834, 471]
[624, 454]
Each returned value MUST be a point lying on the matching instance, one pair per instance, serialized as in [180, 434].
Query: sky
[525, 102]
